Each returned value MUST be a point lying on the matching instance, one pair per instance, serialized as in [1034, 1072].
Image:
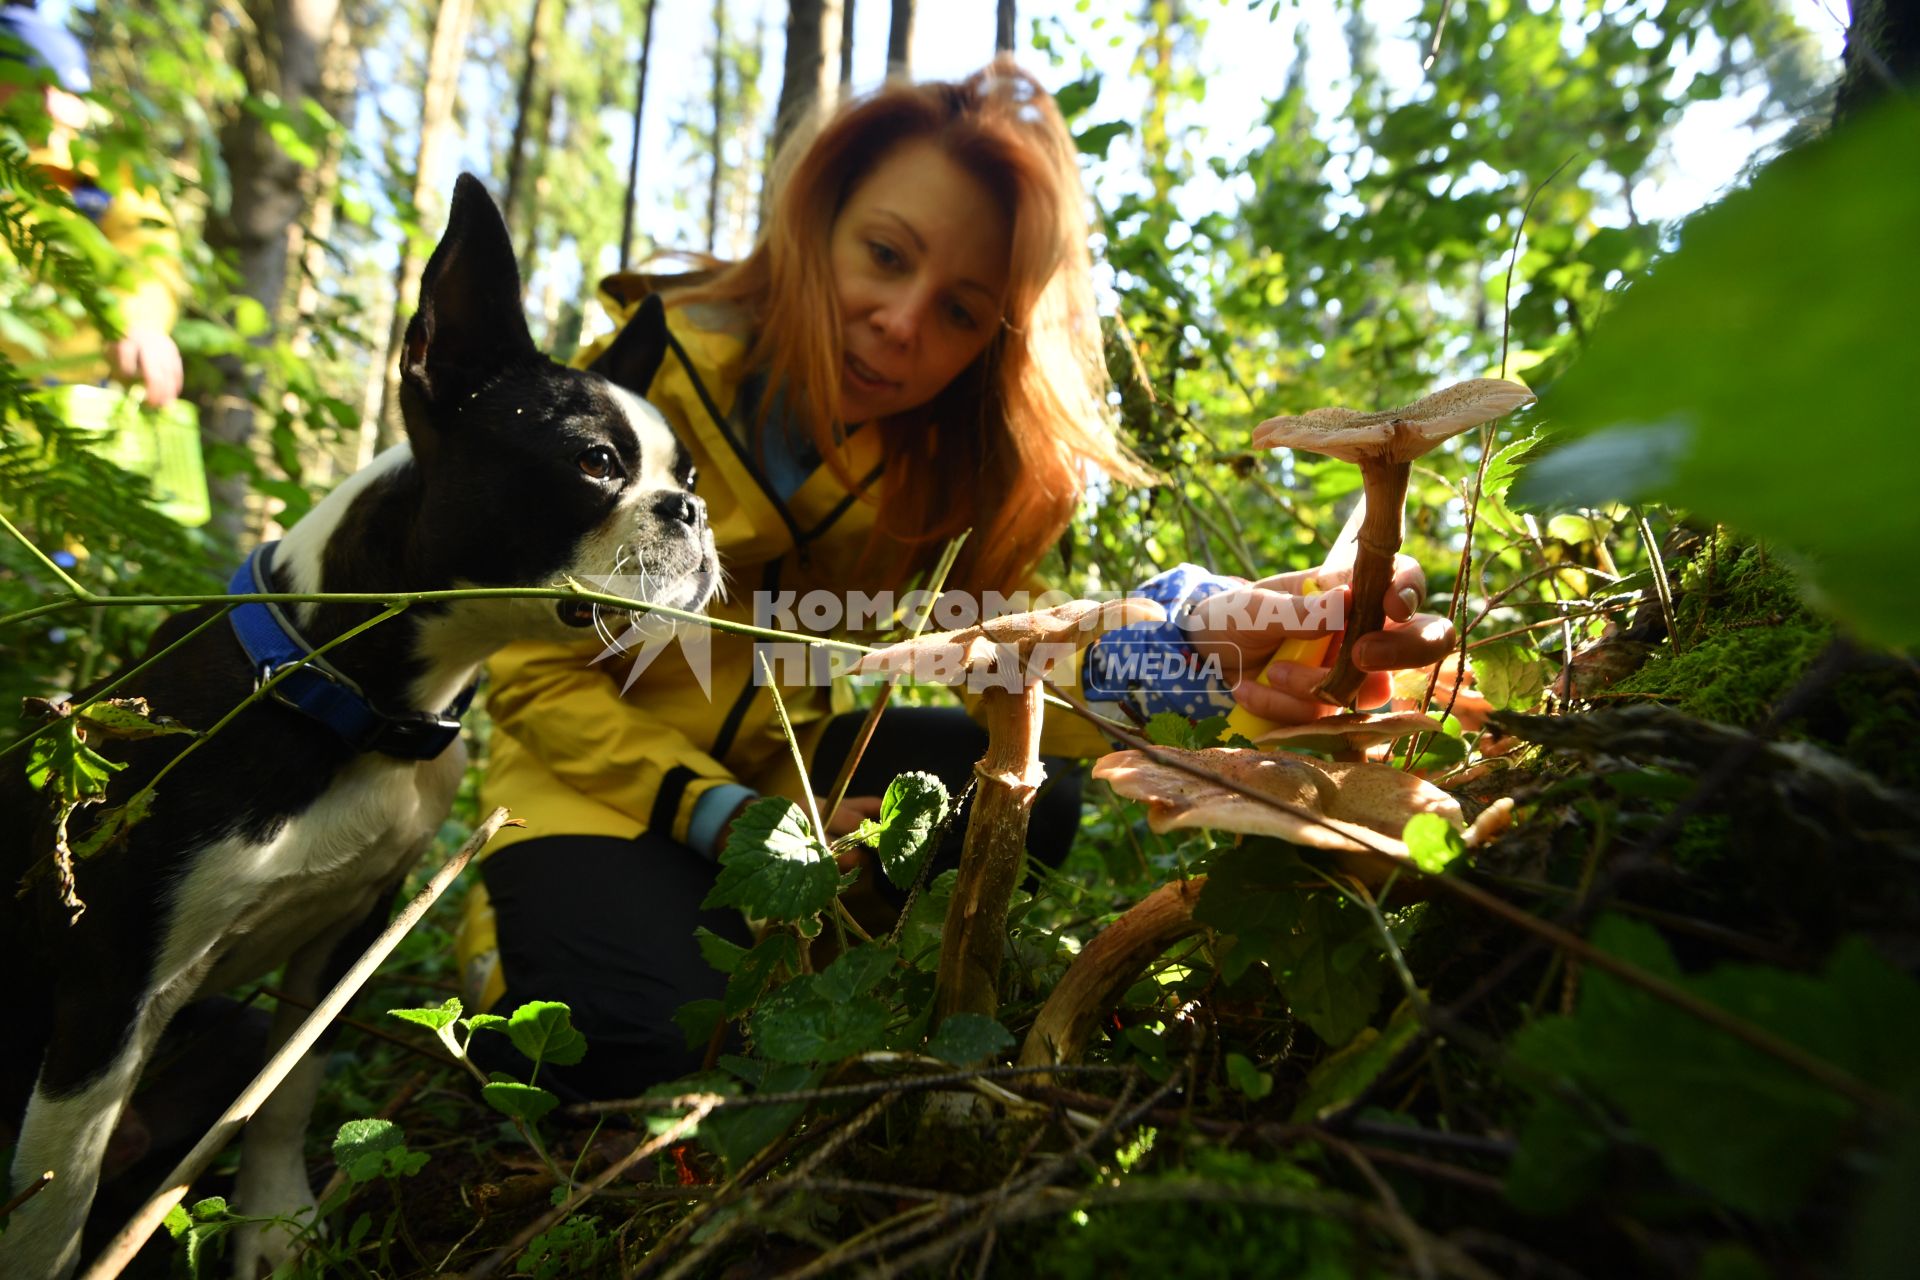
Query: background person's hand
[150, 358]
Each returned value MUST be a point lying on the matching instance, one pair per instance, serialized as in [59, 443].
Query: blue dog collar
[322, 691]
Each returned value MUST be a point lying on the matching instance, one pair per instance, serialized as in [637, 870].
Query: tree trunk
[846, 48]
[448, 51]
[813, 53]
[633, 155]
[535, 54]
[900, 42]
[307, 244]
[719, 122]
[1003, 27]
[285, 59]
[1882, 54]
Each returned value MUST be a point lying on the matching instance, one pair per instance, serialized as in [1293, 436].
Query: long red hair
[1029, 419]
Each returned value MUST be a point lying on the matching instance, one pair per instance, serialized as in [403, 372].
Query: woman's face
[919, 256]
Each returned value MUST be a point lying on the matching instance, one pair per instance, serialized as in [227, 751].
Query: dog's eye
[598, 462]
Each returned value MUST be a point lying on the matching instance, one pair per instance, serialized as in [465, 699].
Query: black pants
[606, 925]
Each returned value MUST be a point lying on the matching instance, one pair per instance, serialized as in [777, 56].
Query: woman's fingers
[1419, 642]
[1288, 696]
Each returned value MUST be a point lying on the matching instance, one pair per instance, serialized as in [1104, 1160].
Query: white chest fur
[248, 904]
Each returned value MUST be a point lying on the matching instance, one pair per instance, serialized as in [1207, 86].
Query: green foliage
[911, 814]
[1432, 842]
[368, 1149]
[829, 1015]
[1748, 1128]
[774, 866]
[967, 1038]
[1732, 358]
[1323, 950]
[543, 1030]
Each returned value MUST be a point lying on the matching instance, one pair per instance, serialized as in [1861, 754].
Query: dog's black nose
[681, 507]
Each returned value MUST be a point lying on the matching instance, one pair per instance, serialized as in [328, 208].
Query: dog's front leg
[83, 1086]
[273, 1165]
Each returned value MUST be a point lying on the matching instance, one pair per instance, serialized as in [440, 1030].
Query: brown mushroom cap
[1357, 808]
[1394, 435]
[1353, 730]
[1006, 646]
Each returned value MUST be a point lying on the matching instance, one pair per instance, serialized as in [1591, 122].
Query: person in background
[148, 283]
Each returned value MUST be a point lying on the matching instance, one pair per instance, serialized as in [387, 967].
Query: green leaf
[486, 1022]
[1764, 389]
[1344, 1075]
[798, 1023]
[543, 1030]
[1330, 985]
[176, 1221]
[717, 951]
[1432, 842]
[365, 1149]
[912, 810]
[756, 971]
[1169, 729]
[697, 1020]
[773, 867]
[1096, 138]
[518, 1101]
[858, 971]
[1323, 950]
[113, 824]
[1754, 1132]
[432, 1018]
[1561, 1159]
[966, 1038]
[1510, 675]
[1247, 1078]
[61, 760]
[129, 719]
[737, 1134]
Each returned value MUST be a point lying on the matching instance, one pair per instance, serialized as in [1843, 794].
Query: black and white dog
[283, 838]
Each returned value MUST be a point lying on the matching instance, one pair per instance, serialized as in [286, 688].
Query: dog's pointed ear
[469, 321]
[637, 350]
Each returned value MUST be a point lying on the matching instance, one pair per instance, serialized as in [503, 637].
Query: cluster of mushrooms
[1349, 808]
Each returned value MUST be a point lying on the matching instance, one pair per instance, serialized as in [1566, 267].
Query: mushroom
[1348, 736]
[1105, 968]
[1354, 811]
[1006, 660]
[1385, 445]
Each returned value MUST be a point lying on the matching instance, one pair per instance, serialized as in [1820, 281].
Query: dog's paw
[262, 1249]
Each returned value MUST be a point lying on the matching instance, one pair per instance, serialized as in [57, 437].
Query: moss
[1746, 641]
[1745, 638]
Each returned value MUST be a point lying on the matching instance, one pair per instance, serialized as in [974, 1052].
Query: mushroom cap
[1355, 730]
[1358, 808]
[1016, 645]
[1395, 435]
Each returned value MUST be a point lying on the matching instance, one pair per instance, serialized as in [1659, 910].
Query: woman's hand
[1241, 629]
[150, 358]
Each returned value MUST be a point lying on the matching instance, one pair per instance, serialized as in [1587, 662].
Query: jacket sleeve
[570, 716]
[152, 280]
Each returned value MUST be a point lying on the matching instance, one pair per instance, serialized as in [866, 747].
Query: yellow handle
[1311, 651]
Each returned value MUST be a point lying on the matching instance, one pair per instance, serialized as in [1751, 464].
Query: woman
[911, 352]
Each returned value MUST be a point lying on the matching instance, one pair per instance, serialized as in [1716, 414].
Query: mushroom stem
[1380, 533]
[1007, 778]
[1105, 969]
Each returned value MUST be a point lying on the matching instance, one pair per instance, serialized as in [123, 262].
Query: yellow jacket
[578, 750]
[143, 272]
